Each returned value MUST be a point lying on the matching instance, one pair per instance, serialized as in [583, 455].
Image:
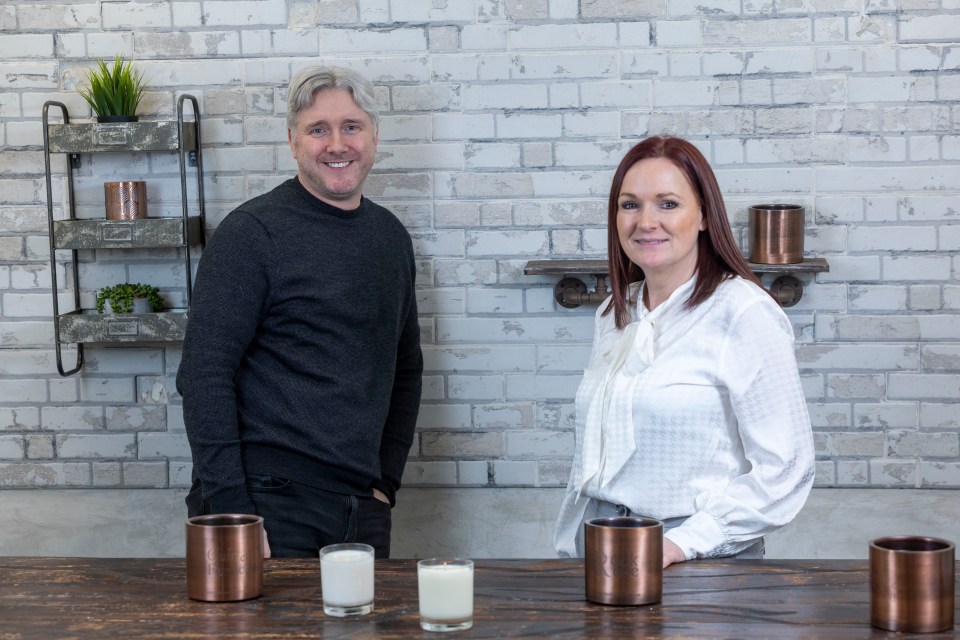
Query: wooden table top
[146, 598]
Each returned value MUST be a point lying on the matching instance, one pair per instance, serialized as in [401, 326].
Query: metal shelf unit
[81, 326]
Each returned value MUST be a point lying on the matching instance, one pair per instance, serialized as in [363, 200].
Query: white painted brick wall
[502, 123]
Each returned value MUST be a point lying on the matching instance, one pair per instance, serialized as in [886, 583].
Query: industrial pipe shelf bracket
[571, 291]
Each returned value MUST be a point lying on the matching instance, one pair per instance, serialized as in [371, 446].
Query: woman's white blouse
[693, 412]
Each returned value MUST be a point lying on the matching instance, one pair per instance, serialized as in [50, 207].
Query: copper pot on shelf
[776, 233]
[125, 200]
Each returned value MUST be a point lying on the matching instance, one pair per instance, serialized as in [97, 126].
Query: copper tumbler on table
[912, 584]
[776, 233]
[623, 560]
[224, 557]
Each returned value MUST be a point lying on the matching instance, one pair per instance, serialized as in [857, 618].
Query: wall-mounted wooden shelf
[571, 291]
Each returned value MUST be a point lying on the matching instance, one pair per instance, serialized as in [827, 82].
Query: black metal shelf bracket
[571, 291]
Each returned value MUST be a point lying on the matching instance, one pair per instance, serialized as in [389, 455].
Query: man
[301, 369]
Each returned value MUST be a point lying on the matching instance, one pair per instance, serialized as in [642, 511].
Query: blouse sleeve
[759, 370]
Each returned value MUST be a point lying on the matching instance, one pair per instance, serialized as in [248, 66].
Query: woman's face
[659, 221]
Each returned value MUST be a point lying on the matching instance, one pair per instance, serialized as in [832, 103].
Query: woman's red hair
[718, 256]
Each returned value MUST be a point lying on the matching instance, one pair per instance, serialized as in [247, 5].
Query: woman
[690, 409]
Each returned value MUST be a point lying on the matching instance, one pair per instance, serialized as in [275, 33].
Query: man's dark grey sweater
[302, 353]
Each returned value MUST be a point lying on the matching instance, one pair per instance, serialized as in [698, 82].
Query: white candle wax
[446, 592]
[346, 578]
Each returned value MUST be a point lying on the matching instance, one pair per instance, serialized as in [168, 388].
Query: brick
[944, 357]
[145, 474]
[127, 15]
[539, 443]
[507, 301]
[503, 416]
[39, 447]
[878, 298]
[443, 301]
[894, 473]
[244, 12]
[857, 356]
[904, 444]
[477, 387]
[620, 9]
[26, 45]
[444, 417]
[925, 29]
[19, 418]
[53, 474]
[925, 297]
[851, 444]
[932, 386]
[106, 390]
[24, 390]
[162, 445]
[106, 474]
[553, 473]
[573, 36]
[939, 474]
[419, 473]
[914, 268]
[889, 237]
[96, 446]
[179, 474]
[135, 418]
[462, 445]
[514, 473]
[12, 447]
[522, 125]
[193, 44]
[465, 272]
[473, 473]
[854, 473]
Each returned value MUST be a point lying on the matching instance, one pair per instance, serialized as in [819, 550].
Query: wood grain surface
[146, 598]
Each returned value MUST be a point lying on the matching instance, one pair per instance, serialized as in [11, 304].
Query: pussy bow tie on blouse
[608, 439]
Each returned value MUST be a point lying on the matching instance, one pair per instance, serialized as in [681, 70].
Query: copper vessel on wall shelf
[776, 233]
[125, 200]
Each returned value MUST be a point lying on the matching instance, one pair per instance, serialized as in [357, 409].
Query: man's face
[335, 143]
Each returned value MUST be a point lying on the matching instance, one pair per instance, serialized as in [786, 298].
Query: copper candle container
[623, 560]
[912, 584]
[125, 200]
[776, 233]
[224, 557]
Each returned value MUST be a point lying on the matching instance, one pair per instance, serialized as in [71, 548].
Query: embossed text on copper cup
[911, 584]
[623, 561]
[224, 557]
[125, 200]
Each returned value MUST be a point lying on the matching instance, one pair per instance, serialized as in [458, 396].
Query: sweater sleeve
[759, 370]
[229, 297]
[401, 420]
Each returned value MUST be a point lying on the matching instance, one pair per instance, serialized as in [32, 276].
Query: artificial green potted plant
[130, 298]
[114, 93]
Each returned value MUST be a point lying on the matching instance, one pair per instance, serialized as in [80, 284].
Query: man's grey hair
[306, 82]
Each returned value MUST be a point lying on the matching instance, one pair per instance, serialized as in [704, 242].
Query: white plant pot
[140, 305]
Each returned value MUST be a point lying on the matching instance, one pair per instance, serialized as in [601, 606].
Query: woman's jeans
[300, 519]
[602, 509]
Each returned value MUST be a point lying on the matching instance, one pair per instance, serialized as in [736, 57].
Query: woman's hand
[671, 553]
